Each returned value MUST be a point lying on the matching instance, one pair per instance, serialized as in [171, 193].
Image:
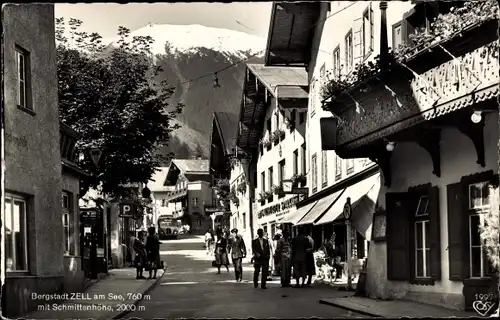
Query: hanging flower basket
[265, 142]
[242, 188]
[298, 179]
[278, 190]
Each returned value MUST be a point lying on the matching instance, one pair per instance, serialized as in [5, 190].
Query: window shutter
[435, 234]
[398, 237]
[455, 230]
[357, 40]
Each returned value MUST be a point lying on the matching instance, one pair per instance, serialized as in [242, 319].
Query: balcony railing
[177, 194]
[390, 107]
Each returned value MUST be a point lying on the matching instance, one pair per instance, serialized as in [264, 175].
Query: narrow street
[192, 289]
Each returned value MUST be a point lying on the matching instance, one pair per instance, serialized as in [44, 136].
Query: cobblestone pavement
[192, 289]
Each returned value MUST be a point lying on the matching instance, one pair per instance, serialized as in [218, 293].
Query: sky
[105, 18]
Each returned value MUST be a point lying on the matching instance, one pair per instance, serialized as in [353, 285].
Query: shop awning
[294, 216]
[319, 209]
[363, 196]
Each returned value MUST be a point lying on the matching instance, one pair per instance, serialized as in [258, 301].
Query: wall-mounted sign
[211, 209]
[127, 210]
[279, 208]
[347, 209]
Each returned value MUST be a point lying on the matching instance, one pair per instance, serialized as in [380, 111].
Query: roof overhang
[291, 32]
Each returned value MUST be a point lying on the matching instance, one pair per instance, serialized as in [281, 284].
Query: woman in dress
[140, 254]
[153, 250]
[284, 252]
[221, 252]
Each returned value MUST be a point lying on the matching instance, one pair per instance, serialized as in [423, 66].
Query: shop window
[16, 241]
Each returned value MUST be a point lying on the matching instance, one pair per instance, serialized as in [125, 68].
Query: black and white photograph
[284, 160]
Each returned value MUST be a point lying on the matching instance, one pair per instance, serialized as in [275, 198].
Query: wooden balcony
[378, 109]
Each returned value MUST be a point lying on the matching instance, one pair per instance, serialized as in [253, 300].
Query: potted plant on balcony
[242, 187]
[277, 136]
[474, 24]
[265, 142]
[268, 194]
[298, 179]
[278, 190]
[262, 197]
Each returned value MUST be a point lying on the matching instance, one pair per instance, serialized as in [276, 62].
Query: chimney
[384, 47]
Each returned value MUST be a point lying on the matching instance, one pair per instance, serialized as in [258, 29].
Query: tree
[110, 97]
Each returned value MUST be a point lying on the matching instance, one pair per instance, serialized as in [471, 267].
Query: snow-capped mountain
[188, 38]
[188, 52]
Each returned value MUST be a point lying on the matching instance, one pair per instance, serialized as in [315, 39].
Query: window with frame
[302, 117]
[324, 168]
[314, 173]
[163, 202]
[349, 51]
[350, 166]
[303, 164]
[281, 173]
[16, 240]
[263, 181]
[269, 126]
[277, 121]
[422, 248]
[295, 162]
[313, 97]
[66, 219]
[479, 205]
[367, 31]
[338, 167]
[195, 201]
[22, 65]
[244, 220]
[336, 62]
[397, 35]
[271, 182]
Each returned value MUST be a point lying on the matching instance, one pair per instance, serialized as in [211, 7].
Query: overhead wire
[262, 51]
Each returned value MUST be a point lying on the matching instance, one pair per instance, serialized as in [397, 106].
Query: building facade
[42, 183]
[272, 128]
[159, 195]
[430, 121]
[192, 191]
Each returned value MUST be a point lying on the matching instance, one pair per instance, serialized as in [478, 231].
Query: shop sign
[279, 208]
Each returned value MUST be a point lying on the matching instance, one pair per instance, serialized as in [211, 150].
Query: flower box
[266, 143]
[298, 179]
[278, 190]
[242, 188]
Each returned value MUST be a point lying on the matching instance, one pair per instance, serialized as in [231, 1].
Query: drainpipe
[384, 46]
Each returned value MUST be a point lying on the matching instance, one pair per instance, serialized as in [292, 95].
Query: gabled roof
[227, 124]
[187, 167]
[282, 79]
[157, 180]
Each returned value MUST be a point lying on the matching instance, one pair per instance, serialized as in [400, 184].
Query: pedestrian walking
[221, 252]
[261, 256]
[310, 265]
[238, 252]
[140, 254]
[272, 248]
[284, 252]
[153, 252]
[276, 256]
[209, 238]
[299, 246]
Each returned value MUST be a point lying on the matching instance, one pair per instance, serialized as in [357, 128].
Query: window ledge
[423, 281]
[27, 110]
[18, 274]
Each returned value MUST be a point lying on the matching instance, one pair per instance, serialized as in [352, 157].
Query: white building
[160, 195]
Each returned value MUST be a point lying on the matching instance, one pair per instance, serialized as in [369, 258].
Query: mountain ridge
[188, 52]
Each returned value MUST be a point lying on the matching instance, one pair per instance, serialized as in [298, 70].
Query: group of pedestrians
[295, 257]
[147, 253]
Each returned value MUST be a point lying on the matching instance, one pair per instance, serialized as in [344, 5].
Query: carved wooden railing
[453, 85]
